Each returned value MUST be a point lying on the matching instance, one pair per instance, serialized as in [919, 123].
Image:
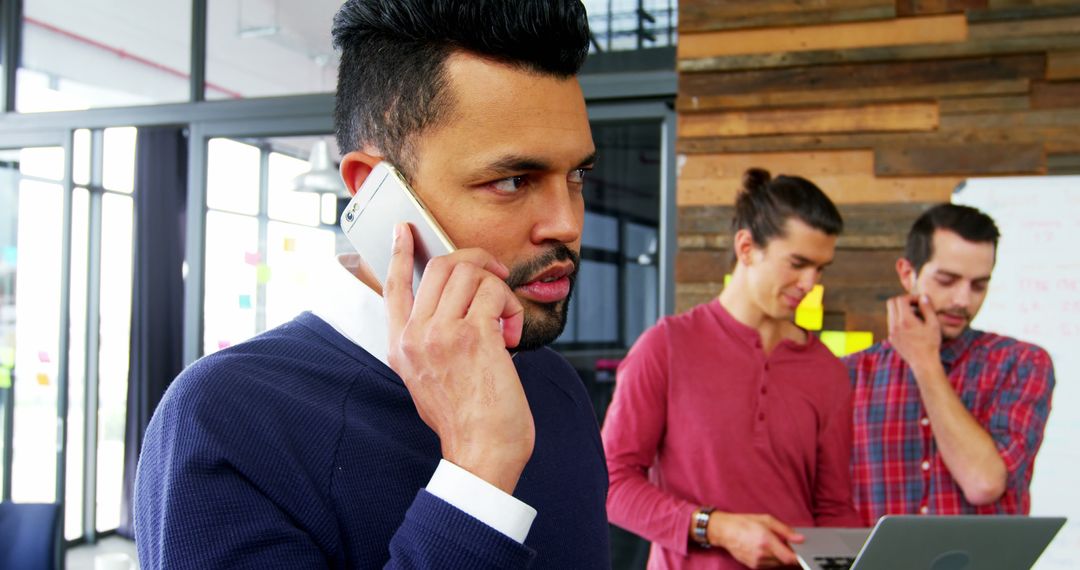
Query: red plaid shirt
[896, 467]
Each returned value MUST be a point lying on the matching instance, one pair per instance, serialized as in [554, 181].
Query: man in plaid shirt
[947, 419]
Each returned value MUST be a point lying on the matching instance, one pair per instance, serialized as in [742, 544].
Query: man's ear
[355, 167]
[744, 245]
[907, 274]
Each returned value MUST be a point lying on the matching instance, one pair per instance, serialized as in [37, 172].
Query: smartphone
[381, 202]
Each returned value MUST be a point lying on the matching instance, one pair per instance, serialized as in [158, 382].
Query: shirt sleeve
[832, 484]
[482, 500]
[633, 430]
[1019, 415]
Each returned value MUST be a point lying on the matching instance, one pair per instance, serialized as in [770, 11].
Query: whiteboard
[1035, 296]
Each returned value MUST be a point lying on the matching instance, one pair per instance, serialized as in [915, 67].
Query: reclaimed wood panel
[909, 31]
[919, 116]
[1063, 164]
[1055, 95]
[865, 75]
[1063, 65]
[926, 7]
[999, 46]
[985, 104]
[701, 266]
[973, 159]
[807, 164]
[1006, 99]
[698, 15]
[842, 189]
[1024, 28]
[866, 226]
[1059, 138]
[857, 11]
[944, 92]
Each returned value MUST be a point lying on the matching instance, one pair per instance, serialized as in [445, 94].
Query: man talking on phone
[402, 430]
[947, 419]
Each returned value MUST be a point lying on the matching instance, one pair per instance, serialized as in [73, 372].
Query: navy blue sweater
[298, 449]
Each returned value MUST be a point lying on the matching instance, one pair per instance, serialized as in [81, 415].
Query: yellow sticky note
[727, 280]
[43, 379]
[810, 318]
[812, 300]
[858, 340]
[290, 244]
[5, 377]
[262, 273]
[7, 357]
[835, 341]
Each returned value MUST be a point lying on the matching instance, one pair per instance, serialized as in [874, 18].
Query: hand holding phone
[448, 344]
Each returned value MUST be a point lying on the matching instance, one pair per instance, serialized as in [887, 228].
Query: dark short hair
[392, 81]
[765, 203]
[965, 221]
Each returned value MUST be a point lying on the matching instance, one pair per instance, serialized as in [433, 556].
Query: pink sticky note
[222, 344]
[43, 356]
[252, 258]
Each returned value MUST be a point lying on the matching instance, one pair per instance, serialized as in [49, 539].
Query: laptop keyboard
[834, 562]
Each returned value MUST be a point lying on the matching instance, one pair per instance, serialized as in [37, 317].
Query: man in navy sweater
[387, 429]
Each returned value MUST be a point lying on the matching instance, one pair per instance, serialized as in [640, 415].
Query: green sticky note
[245, 301]
[727, 280]
[5, 377]
[7, 357]
[262, 273]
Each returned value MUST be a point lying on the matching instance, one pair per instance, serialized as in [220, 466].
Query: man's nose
[558, 216]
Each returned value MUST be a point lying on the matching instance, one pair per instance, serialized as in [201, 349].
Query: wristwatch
[701, 526]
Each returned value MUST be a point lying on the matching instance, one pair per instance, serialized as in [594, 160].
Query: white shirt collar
[352, 308]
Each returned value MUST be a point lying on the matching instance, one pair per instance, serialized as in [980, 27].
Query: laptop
[919, 542]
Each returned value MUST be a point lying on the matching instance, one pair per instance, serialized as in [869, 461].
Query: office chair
[30, 536]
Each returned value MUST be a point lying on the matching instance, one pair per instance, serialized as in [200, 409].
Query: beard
[543, 322]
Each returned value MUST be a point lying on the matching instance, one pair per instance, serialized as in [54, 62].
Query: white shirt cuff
[482, 500]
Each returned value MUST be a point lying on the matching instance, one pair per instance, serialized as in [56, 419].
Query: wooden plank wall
[885, 104]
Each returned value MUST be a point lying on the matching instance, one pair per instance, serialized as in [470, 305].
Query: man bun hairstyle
[965, 221]
[392, 81]
[764, 205]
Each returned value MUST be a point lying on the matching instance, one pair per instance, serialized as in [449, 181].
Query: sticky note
[727, 280]
[290, 244]
[5, 377]
[43, 379]
[245, 301]
[43, 356]
[812, 300]
[858, 340]
[11, 255]
[262, 273]
[810, 318]
[7, 357]
[844, 343]
[222, 344]
[252, 257]
[835, 341]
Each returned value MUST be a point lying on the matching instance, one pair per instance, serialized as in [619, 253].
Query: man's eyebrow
[519, 163]
[589, 160]
[807, 261]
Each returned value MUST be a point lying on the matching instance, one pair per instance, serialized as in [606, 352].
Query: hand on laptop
[758, 541]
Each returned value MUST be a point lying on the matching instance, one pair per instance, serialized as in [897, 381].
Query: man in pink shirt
[730, 424]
